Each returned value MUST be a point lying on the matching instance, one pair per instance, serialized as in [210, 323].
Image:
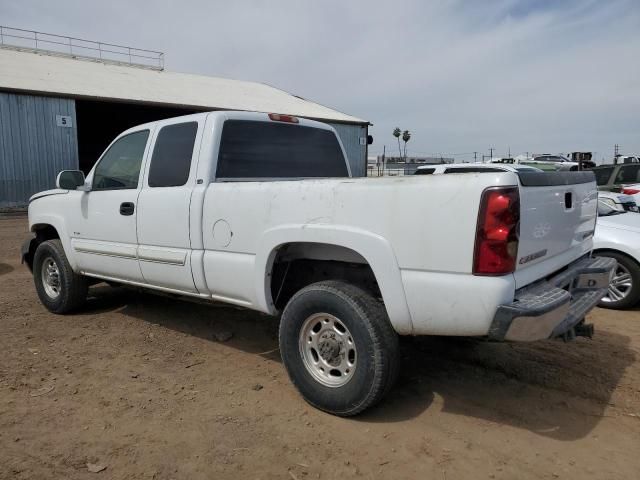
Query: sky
[463, 76]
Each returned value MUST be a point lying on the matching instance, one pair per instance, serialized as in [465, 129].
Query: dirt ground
[149, 388]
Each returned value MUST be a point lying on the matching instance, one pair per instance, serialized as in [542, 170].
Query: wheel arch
[596, 251]
[41, 232]
[353, 244]
[47, 227]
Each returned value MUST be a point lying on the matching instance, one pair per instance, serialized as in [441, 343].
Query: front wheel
[338, 347]
[59, 288]
[624, 284]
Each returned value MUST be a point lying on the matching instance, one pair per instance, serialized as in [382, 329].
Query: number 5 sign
[64, 121]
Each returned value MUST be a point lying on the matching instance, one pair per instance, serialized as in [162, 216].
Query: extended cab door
[164, 244]
[103, 222]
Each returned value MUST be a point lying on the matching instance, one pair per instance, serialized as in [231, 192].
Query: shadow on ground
[552, 388]
[5, 268]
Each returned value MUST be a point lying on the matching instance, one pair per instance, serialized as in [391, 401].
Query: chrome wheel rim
[51, 278]
[328, 350]
[620, 284]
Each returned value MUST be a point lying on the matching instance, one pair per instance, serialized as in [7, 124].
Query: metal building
[63, 100]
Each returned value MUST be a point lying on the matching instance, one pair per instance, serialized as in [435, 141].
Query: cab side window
[119, 168]
[171, 160]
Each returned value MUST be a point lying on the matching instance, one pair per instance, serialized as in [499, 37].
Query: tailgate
[557, 219]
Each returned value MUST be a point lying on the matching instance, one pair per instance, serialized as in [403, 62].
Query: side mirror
[70, 179]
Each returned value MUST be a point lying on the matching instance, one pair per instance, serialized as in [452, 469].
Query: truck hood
[629, 221]
[46, 193]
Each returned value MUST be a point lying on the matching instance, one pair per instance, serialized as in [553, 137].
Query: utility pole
[384, 151]
[616, 150]
[509, 155]
[490, 153]
[475, 157]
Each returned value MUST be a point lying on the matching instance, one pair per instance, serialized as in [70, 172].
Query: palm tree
[396, 133]
[406, 136]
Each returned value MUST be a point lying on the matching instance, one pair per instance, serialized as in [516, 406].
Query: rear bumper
[554, 306]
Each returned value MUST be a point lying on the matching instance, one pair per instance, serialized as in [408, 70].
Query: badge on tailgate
[532, 257]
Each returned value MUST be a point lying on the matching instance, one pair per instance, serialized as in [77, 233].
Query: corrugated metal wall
[33, 149]
[356, 153]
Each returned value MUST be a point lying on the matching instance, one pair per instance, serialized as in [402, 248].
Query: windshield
[628, 174]
[602, 174]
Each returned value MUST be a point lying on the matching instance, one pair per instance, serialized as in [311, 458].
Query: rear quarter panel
[427, 222]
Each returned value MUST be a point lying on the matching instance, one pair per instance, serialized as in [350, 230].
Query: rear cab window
[255, 150]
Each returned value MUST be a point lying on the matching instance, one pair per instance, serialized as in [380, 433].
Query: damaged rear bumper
[555, 306]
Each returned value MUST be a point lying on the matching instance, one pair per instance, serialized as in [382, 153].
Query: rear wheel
[59, 288]
[338, 347]
[624, 284]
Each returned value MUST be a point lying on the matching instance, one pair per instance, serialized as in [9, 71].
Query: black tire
[71, 287]
[632, 293]
[367, 324]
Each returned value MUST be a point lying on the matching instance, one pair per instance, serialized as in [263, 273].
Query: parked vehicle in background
[508, 160]
[260, 210]
[473, 167]
[618, 236]
[621, 159]
[619, 201]
[623, 178]
[583, 158]
[549, 162]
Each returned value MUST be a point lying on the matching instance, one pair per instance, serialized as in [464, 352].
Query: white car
[631, 189]
[549, 162]
[617, 236]
[260, 210]
[473, 167]
[618, 201]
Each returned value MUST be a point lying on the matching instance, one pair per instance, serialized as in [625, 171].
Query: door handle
[126, 208]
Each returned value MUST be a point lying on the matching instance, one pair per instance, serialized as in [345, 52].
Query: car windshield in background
[549, 158]
[602, 174]
[628, 174]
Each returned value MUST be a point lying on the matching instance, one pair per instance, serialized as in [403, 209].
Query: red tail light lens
[276, 117]
[630, 191]
[497, 232]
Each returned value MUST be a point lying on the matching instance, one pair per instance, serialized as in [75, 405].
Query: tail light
[630, 191]
[497, 232]
[276, 117]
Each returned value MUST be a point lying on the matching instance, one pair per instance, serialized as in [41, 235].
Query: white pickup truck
[259, 210]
